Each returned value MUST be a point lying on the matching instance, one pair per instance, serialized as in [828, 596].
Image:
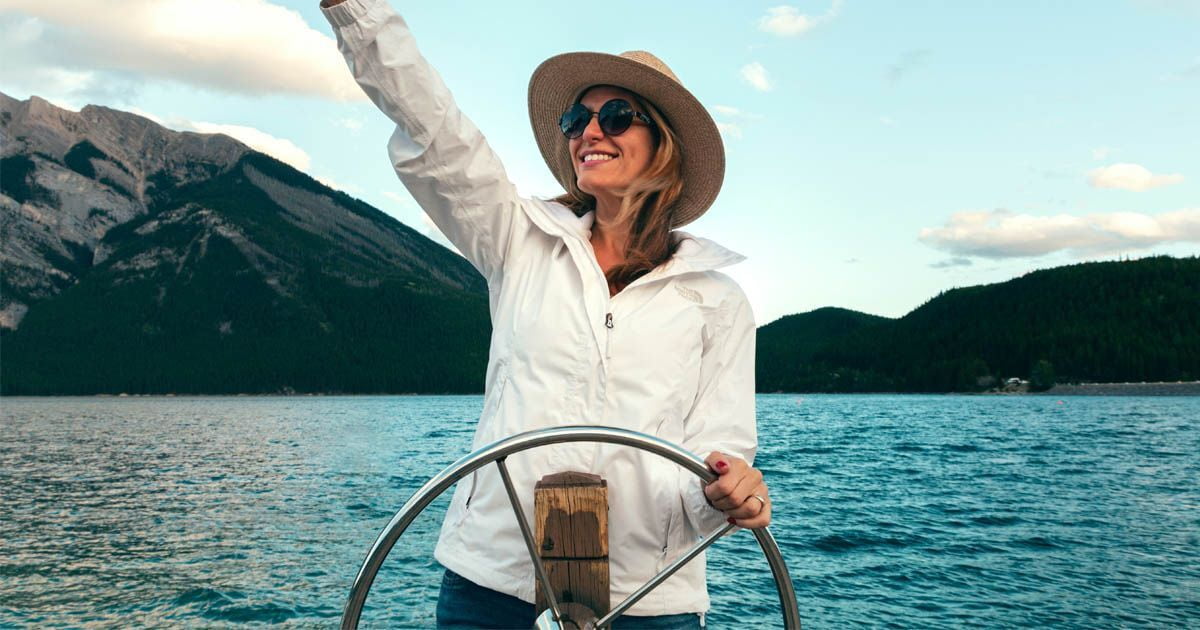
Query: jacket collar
[695, 254]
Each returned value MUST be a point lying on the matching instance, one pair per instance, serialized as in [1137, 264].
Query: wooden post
[571, 516]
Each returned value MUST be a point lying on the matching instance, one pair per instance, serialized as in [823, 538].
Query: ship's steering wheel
[554, 616]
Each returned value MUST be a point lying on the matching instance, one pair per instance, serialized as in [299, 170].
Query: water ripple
[892, 511]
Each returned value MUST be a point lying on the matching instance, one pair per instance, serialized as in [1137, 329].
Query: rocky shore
[1188, 388]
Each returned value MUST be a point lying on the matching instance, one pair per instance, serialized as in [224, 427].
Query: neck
[609, 239]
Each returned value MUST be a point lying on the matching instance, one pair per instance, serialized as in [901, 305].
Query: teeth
[592, 157]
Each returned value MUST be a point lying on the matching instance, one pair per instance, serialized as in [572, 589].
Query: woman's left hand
[739, 491]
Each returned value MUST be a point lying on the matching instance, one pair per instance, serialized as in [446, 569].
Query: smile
[594, 157]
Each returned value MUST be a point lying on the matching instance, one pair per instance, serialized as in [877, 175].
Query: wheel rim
[497, 452]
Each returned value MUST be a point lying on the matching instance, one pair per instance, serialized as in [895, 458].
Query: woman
[601, 313]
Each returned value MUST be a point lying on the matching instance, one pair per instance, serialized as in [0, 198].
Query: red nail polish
[721, 465]
[731, 521]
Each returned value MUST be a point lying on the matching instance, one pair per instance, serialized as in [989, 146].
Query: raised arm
[439, 155]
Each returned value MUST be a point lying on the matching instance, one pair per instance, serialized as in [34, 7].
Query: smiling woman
[603, 312]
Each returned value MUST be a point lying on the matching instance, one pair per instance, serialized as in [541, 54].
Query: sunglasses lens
[616, 116]
[574, 120]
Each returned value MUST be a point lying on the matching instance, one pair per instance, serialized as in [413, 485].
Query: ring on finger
[762, 501]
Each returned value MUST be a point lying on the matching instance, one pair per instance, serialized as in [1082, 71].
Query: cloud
[909, 61]
[1129, 177]
[729, 111]
[733, 130]
[756, 75]
[249, 47]
[787, 21]
[279, 148]
[730, 130]
[1100, 153]
[952, 262]
[336, 185]
[1005, 234]
[353, 124]
[398, 198]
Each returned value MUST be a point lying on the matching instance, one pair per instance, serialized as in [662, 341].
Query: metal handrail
[501, 449]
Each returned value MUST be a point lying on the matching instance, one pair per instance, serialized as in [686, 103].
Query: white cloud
[398, 198]
[729, 111]
[730, 130]
[957, 261]
[336, 185]
[1129, 177]
[788, 21]
[1005, 234]
[756, 75]
[248, 47]
[353, 124]
[1100, 153]
[283, 150]
[278, 148]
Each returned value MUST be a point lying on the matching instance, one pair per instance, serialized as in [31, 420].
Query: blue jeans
[464, 604]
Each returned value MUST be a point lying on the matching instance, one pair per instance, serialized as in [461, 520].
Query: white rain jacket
[671, 355]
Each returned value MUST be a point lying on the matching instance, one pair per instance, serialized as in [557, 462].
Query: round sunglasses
[615, 117]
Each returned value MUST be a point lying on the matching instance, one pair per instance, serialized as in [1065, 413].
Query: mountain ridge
[202, 266]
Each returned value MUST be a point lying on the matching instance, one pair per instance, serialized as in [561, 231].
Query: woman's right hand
[739, 491]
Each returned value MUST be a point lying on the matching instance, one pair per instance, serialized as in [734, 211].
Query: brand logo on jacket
[691, 295]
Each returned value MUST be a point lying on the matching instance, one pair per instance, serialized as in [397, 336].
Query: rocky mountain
[144, 260]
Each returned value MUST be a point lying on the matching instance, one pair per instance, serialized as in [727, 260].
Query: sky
[877, 153]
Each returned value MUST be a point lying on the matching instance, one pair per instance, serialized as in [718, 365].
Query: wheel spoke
[528, 536]
[633, 598]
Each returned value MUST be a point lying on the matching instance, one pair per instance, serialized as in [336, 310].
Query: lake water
[902, 511]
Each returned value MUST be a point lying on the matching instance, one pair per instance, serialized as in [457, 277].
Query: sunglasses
[615, 117]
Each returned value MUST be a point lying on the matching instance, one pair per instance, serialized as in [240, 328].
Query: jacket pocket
[671, 497]
[470, 493]
[460, 505]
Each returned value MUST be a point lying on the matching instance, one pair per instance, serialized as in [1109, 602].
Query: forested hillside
[1098, 322]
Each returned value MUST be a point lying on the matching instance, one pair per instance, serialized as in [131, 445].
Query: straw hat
[559, 82]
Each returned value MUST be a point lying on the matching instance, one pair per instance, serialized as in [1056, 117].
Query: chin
[591, 186]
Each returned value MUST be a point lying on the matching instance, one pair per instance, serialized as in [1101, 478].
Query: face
[628, 154]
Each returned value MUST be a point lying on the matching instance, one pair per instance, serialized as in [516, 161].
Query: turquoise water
[903, 511]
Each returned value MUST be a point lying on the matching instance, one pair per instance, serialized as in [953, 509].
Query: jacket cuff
[356, 20]
[703, 517]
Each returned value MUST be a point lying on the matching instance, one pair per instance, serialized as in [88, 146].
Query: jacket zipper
[608, 324]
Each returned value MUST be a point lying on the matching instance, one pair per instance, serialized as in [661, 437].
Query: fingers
[751, 507]
[718, 462]
[762, 519]
[732, 488]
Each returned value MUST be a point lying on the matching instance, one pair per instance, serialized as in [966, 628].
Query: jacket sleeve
[722, 417]
[439, 155]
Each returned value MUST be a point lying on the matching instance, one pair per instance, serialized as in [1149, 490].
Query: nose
[593, 130]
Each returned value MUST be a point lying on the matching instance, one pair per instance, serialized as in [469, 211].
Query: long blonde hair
[648, 205]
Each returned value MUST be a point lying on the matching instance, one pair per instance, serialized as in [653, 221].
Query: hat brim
[558, 82]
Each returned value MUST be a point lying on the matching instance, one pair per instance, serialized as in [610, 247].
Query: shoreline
[1172, 388]
[1179, 388]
